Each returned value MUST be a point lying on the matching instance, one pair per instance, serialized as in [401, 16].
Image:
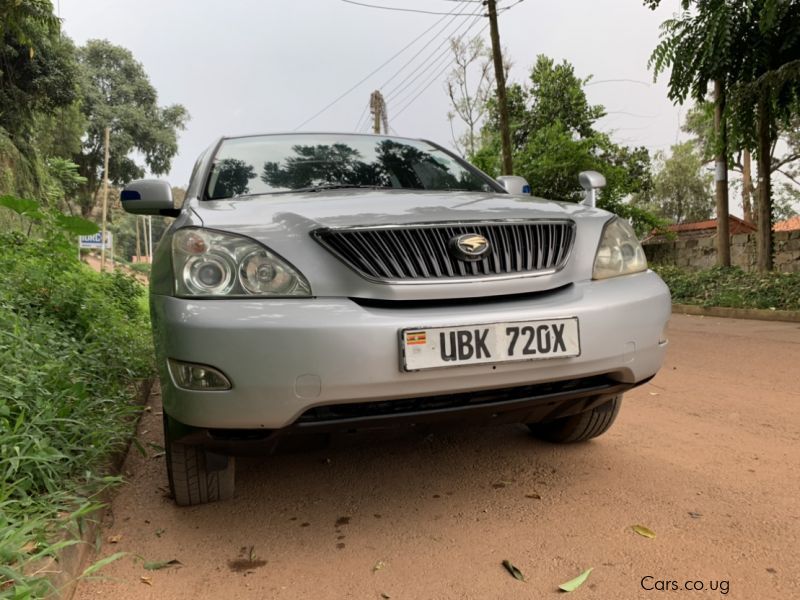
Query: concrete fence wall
[701, 253]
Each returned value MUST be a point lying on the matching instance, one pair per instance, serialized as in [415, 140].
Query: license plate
[429, 348]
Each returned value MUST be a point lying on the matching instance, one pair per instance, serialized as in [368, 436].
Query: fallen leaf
[148, 409]
[29, 547]
[574, 584]
[533, 496]
[114, 539]
[654, 393]
[378, 566]
[160, 532]
[158, 455]
[162, 564]
[385, 596]
[515, 572]
[695, 515]
[644, 531]
[145, 579]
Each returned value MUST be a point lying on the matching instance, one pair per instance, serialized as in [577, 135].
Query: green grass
[732, 287]
[72, 344]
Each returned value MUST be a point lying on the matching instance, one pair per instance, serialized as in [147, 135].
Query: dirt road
[707, 456]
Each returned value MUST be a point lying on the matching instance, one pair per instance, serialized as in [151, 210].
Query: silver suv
[313, 282]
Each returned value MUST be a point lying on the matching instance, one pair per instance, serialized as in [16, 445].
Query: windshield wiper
[341, 186]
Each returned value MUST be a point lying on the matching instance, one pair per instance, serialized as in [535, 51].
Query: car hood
[342, 208]
[284, 222]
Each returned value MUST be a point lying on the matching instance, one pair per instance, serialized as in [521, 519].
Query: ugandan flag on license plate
[416, 338]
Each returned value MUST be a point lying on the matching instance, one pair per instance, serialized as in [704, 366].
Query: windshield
[285, 163]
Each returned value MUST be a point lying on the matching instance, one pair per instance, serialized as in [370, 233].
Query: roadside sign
[96, 241]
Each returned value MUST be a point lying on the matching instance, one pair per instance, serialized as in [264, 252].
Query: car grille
[422, 252]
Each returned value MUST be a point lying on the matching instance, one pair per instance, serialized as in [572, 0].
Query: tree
[750, 48]
[785, 161]
[233, 177]
[37, 73]
[701, 48]
[319, 165]
[117, 93]
[554, 138]
[469, 100]
[37, 65]
[767, 98]
[65, 181]
[682, 188]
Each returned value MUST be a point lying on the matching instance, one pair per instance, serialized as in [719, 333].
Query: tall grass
[72, 344]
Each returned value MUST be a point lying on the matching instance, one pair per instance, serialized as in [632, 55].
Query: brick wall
[701, 253]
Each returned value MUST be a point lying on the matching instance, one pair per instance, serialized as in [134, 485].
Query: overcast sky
[255, 66]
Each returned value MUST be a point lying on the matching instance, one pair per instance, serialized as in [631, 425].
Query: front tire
[581, 427]
[192, 481]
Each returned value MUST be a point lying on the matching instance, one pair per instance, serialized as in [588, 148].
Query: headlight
[619, 253]
[213, 264]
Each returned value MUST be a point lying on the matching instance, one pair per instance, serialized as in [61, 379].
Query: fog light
[192, 376]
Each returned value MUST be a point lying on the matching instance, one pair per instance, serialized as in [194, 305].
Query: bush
[72, 344]
[732, 287]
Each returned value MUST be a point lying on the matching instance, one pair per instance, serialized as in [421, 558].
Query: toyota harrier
[318, 282]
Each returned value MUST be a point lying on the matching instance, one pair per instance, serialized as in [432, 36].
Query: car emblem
[469, 246]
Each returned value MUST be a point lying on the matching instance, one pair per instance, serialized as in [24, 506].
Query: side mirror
[591, 181]
[149, 197]
[515, 185]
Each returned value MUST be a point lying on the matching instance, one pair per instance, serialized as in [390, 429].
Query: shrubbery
[72, 344]
[732, 287]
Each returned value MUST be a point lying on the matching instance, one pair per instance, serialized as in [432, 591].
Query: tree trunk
[721, 178]
[764, 201]
[747, 187]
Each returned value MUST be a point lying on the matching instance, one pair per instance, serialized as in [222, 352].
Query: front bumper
[286, 357]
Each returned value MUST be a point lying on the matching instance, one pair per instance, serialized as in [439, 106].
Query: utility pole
[150, 238]
[105, 202]
[500, 77]
[377, 107]
[721, 178]
[138, 242]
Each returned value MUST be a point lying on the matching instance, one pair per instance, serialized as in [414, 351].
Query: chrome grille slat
[382, 250]
[420, 252]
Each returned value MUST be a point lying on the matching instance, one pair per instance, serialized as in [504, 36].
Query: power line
[637, 81]
[361, 118]
[400, 70]
[433, 64]
[335, 100]
[509, 7]
[412, 10]
[630, 114]
[433, 57]
[414, 99]
[449, 64]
